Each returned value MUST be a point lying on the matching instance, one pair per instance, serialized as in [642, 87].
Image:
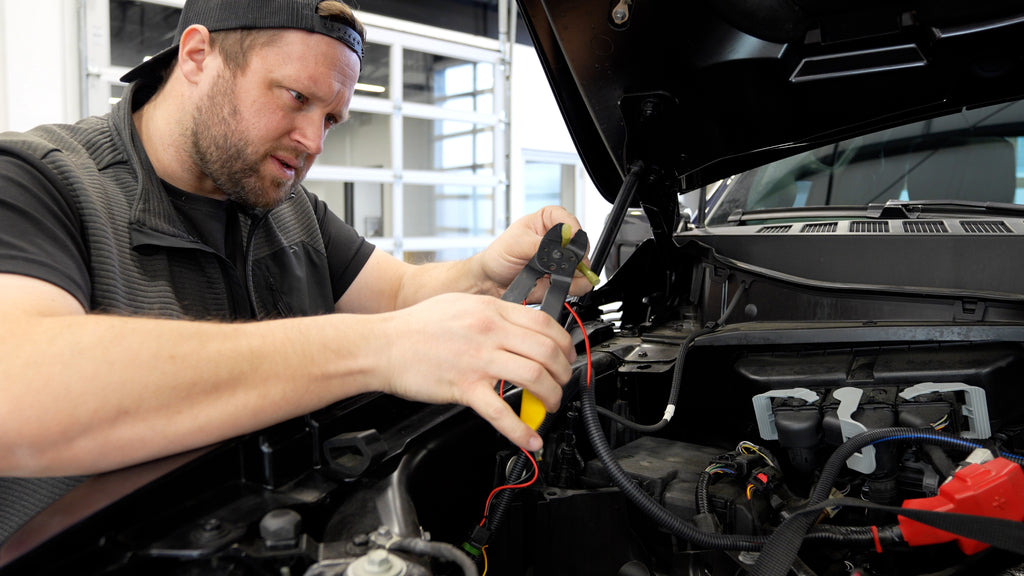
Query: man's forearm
[387, 284]
[426, 281]
[89, 393]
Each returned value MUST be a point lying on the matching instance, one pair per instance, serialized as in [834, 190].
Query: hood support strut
[617, 215]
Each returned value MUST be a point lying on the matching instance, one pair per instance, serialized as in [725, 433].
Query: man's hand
[442, 345]
[506, 256]
[454, 348]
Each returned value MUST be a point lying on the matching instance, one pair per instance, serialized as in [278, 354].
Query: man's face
[255, 133]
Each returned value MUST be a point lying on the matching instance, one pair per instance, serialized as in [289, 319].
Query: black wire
[677, 373]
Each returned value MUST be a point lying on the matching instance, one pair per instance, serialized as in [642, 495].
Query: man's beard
[226, 156]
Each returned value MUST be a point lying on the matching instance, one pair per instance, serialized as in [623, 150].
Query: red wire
[536, 472]
[586, 341]
[500, 488]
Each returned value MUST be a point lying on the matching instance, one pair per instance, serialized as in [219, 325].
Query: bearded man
[166, 282]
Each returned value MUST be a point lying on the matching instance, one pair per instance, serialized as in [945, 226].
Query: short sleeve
[347, 251]
[40, 232]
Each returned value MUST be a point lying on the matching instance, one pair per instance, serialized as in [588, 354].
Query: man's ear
[194, 52]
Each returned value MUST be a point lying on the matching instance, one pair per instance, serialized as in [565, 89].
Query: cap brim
[154, 67]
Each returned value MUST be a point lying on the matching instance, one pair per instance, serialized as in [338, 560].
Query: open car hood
[699, 91]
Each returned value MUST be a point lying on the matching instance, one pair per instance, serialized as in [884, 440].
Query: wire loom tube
[496, 513]
[665, 518]
[781, 549]
[644, 501]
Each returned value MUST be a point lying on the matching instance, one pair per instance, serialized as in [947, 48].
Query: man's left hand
[510, 252]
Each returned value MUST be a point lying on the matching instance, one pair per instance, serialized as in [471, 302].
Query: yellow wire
[745, 445]
[484, 551]
[750, 488]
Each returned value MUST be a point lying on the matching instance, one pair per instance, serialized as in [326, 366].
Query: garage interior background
[453, 131]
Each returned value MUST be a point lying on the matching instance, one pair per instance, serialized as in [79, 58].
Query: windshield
[974, 155]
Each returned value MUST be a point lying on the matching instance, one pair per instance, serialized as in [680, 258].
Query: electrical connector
[478, 538]
[763, 478]
[742, 464]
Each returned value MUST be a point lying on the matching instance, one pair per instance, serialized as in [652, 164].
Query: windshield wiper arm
[908, 209]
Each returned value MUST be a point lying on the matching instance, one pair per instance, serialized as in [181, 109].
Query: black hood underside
[699, 91]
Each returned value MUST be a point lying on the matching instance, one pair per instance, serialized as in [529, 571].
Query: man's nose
[310, 133]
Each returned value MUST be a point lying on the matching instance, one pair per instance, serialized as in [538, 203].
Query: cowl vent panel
[820, 228]
[869, 227]
[925, 227]
[985, 227]
[775, 229]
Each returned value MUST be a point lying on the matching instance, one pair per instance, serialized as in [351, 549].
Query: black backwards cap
[219, 15]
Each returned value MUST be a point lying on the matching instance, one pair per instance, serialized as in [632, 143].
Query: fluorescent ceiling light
[370, 88]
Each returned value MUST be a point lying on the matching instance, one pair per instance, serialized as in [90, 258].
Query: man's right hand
[454, 348]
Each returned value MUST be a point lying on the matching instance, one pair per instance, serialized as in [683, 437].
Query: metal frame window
[422, 171]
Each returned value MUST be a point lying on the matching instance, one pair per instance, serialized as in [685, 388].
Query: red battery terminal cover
[994, 489]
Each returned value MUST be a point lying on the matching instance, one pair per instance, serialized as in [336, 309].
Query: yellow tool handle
[531, 411]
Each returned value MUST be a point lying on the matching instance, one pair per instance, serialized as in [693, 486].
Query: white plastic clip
[763, 408]
[975, 407]
[849, 401]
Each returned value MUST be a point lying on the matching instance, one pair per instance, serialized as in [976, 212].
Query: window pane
[485, 102]
[117, 91]
[547, 183]
[485, 77]
[449, 211]
[458, 78]
[450, 146]
[139, 29]
[363, 141]
[373, 78]
[448, 82]
[361, 204]
[460, 103]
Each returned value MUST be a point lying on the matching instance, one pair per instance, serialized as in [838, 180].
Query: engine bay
[691, 437]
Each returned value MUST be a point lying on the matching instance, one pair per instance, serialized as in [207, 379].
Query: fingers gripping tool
[558, 256]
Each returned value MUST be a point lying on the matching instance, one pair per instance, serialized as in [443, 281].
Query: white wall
[39, 63]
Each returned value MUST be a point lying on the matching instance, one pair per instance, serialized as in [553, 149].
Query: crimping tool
[559, 256]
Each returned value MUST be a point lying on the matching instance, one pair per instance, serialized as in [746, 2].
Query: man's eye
[299, 96]
[332, 121]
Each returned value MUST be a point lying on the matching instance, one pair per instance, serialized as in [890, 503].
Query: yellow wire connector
[594, 279]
